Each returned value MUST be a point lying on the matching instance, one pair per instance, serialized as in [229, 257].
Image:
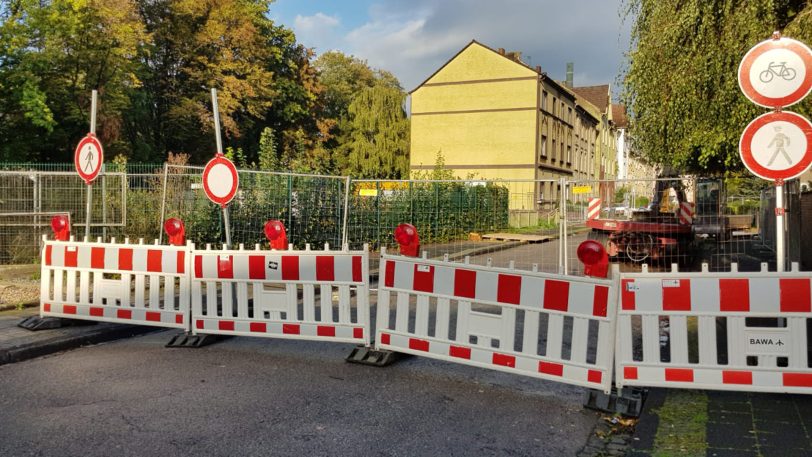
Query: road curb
[100, 334]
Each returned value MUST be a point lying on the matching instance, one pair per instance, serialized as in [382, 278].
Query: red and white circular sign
[777, 145]
[220, 180]
[776, 72]
[88, 158]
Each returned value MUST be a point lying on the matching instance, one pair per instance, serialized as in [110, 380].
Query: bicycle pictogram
[777, 69]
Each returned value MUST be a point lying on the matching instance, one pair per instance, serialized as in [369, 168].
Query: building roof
[597, 95]
[619, 116]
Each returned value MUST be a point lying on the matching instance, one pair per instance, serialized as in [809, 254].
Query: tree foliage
[681, 82]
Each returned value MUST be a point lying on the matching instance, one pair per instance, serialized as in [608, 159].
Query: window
[553, 157]
[555, 105]
[569, 115]
[544, 100]
[569, 154]
[544, 145]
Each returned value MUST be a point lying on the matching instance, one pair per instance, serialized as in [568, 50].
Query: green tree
[681, 83]
[378, 139]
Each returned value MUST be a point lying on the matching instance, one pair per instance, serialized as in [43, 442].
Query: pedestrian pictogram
[88, 158]
[220, 180]
[777, 145]
[777, 72]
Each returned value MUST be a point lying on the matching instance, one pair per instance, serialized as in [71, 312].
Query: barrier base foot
[35, 323]
[187, 340]
[628, 402]
[377, 358]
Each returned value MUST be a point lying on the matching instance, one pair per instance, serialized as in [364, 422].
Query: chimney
[570, 70]
[515, 56]
[501, 51]
[538, 69]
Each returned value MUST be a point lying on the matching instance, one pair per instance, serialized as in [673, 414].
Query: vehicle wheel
[603, 239]
[639, 247]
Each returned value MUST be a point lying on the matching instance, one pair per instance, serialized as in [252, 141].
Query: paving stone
[732, 436]
[780, 451]
[716, 452]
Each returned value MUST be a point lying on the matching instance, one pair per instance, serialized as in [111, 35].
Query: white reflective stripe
[139, 259]
[58, 255]
[486, 286]
[83, 256]
[111, 258]
[209, 264]
[240, 265]
[307, 268]
[581, 298]
[705, 295]
[404, 275]
[342, 267]
[169, 261]
[273, 267]
[532, 293]
[444, 280]
[764, 295]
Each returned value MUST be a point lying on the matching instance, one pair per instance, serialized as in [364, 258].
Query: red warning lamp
[176, 231]
[60, 225]
[276, 234]
[408, 239]
[594, 257]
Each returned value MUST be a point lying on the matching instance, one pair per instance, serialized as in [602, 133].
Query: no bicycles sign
[777, 72]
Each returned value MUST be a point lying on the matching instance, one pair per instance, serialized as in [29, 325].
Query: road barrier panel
[548, 326]
[723, 331]
[114, 282]
[257, 293]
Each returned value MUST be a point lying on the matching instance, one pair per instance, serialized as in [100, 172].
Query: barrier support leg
[187, 340]
[368, 355]
[35, 323]
[628, 401]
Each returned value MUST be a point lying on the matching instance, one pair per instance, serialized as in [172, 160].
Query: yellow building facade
[491, 116]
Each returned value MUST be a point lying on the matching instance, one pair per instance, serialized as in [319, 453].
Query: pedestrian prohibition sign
[220, 180]
[777, 145]
[88, 158]
[776, 73]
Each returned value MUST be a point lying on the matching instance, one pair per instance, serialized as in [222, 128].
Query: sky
[413, 38]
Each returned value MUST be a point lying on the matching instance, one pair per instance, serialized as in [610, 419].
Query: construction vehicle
[666, 229]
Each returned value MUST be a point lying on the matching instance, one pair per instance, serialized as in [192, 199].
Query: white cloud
[320, 30]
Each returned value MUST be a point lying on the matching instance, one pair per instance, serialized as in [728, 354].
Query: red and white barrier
[257, 293]
[110, 282]
[674, 330]
[469, 314]
[686, 213]
[593, 210]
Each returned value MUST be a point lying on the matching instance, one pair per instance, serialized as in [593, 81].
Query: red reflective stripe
[154, 258]
[290, 267]
[627, 296]
[258, 327]
[385, 338]
[291, 329]
[125, 259]
[97, 258]
[465, 283]
[734, 295]
[556, 295]
[68, 309]
[325, 330]
[357, 333]
[600, 301]
[153, 316]
[71, 256]
[124, 314]
[226, 325]
[46, 307]
[325, 268]
[357, 269]
[181, 264]
[459, 352]
[504, 360]
[389, 278]
[797, 379]
[96, 311]
[198, 266]
[179, 318]
[677, 298]
[418, 345]
[795, 296]
[256, 267]
[737, 377]
[48, 252]
[424, 280]
[555, 369]
[225, 267]
[200, 324]
[509, 289]
[594, 376]
[629, 372]
[679, 374]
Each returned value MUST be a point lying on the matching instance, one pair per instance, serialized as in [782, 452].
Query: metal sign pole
[780, 248]
[93, 100]
[216, 110]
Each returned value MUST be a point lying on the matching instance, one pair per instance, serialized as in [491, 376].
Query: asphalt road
[247, 396]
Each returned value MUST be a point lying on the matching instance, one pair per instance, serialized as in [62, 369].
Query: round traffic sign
[88, 158]
[220, 180]
[777, 145]
[776, 72]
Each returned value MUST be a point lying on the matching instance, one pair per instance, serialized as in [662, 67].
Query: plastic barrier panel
[725, 331]
[125, 283]
[547, 326]
[258, 293]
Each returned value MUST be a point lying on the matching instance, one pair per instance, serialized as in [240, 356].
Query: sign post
[220, 178]
[88, 159]
[777, 146]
